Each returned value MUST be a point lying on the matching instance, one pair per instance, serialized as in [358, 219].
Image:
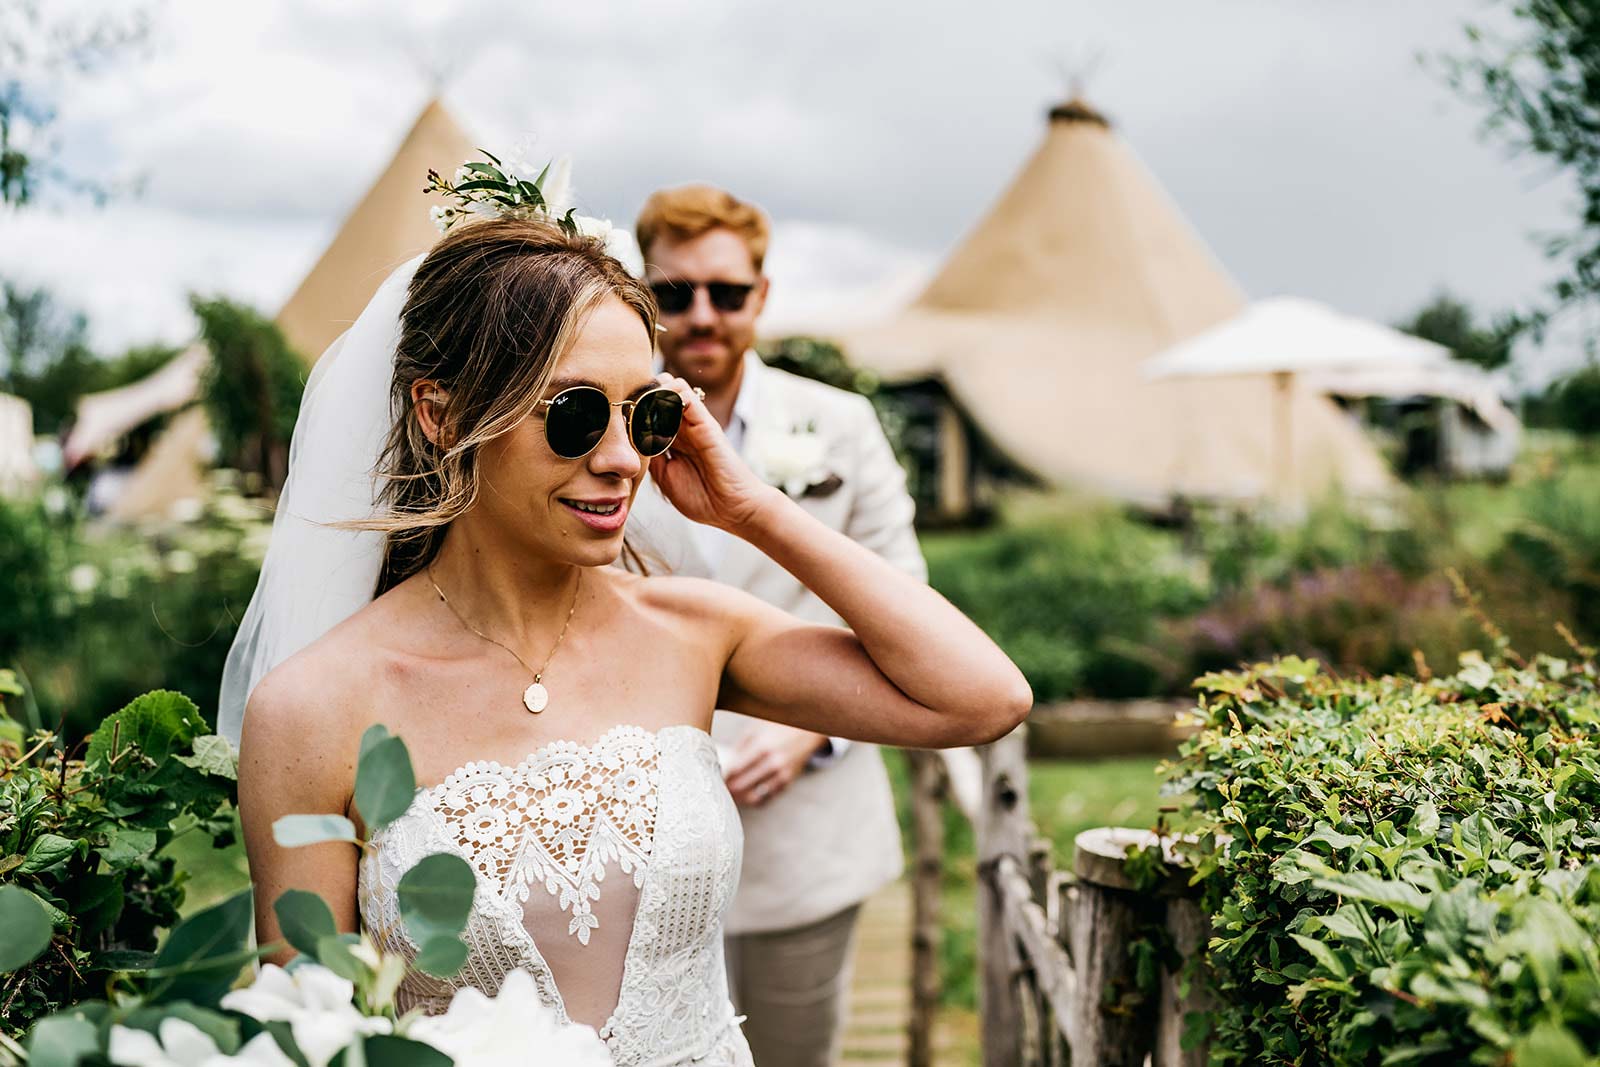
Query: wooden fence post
[1004, 829]
[929, 786]
[1115, 1021]
[1189, 927]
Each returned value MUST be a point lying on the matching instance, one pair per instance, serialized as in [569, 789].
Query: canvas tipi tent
[1039, 321]
[388, 226]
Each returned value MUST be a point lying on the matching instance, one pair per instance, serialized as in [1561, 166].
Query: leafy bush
[1074, 603]
[251, 387]
[1361, 618]
[1400, 871]
[105, 614]
[32, 562]
[84, 838]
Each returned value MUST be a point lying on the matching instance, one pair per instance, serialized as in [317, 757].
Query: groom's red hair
[687, 211]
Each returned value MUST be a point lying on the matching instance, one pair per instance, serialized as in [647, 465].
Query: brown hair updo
[487, 315]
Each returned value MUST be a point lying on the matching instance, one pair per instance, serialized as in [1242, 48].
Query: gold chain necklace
[536, 697]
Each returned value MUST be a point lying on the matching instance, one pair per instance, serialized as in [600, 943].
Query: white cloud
[1305, 142]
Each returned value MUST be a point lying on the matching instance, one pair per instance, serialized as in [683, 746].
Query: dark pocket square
[827, 487]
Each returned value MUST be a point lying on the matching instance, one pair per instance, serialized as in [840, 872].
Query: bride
[556, 708]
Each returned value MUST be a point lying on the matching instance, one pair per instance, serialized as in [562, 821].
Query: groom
[819, 820]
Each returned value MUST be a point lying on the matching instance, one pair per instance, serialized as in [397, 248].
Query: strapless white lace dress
[604, 871]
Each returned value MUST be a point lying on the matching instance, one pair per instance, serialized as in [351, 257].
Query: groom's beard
[705, 358]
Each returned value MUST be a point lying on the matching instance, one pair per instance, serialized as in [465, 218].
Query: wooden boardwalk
[880, 988]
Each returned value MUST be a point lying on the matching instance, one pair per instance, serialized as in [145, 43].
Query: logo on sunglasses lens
[674, 298]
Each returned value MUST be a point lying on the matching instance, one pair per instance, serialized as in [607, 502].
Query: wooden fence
[1055, 948]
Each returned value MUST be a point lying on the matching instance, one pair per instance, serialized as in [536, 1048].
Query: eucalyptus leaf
[203, 954]
[392, 1051]
[293, 831]
[63, 1040]
[371, 736]
[442, 955]
[385, 783]
[25, 930]
[128, 961]
[305, 919]
[435, 896]
[334, 953]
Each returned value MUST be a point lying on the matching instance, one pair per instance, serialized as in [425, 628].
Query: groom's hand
[767, 758]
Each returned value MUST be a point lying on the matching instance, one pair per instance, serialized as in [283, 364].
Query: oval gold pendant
[536, 698]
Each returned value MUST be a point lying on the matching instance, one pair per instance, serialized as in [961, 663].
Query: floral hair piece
[493, 189]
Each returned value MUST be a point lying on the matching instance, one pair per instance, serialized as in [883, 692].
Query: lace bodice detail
[557, 820]
[603, 870]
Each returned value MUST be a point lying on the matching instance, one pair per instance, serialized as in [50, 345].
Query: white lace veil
[314, 575]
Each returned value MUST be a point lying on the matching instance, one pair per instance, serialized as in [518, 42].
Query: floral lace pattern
[653, 800]
[558, 819]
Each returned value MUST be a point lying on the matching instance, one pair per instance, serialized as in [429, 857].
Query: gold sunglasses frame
[631, 406]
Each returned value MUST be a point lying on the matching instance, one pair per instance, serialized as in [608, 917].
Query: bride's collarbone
[473, 710]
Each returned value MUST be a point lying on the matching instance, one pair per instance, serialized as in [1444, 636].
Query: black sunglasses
[674, 298]
[575, 420]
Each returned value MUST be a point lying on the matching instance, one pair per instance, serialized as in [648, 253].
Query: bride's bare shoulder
[323, 693]
[698, 599]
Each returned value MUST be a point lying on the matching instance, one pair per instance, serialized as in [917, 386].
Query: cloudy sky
[1304, 139]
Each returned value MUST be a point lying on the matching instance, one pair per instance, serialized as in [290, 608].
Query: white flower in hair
[558, 188]
[599, 229]
[512, 187]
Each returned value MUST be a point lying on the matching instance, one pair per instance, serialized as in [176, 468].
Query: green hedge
[1400, 871]
[1075, 602]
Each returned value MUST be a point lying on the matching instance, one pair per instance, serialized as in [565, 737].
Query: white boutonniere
[794, 461]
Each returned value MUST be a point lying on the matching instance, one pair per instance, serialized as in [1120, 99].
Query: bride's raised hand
[704, 478]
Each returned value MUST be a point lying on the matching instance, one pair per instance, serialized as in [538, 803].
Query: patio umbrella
[1281, 337]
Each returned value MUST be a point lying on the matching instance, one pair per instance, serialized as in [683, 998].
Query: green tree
[251, 388]
[1449, 322]
[1541, 87]
[1575, 401]
[40, 52]
[46, 354]
[46, 360]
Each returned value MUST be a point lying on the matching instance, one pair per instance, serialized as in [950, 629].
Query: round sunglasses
[575, 420]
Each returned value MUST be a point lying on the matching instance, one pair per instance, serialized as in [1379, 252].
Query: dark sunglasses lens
[656, 418]
[673, 298]
[728, 296]
[576, 421]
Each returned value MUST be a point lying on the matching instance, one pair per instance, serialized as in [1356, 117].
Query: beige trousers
[794, 987]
